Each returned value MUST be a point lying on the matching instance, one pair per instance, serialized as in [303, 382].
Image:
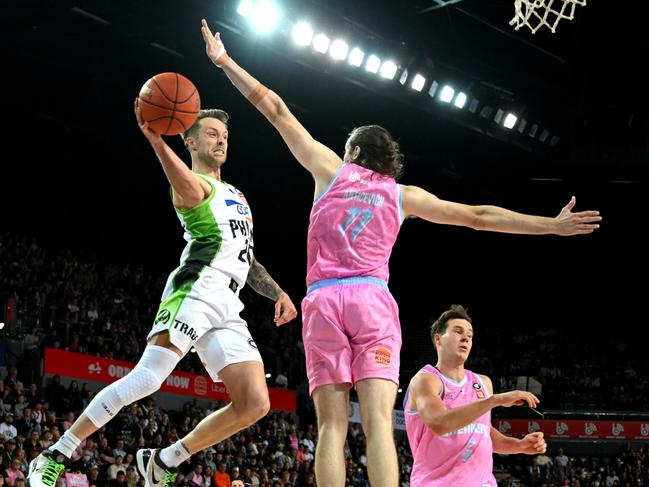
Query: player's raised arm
[318, 159]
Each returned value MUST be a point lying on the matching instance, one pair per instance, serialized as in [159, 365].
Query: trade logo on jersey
[478, 390]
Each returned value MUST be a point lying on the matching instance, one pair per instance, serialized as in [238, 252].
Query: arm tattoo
[261, 282]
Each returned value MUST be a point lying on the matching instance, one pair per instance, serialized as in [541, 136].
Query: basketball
[169, 102]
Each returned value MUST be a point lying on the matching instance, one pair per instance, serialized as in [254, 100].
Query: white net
[538, 13]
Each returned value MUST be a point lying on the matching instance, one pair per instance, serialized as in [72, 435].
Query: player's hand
[213, 45]
[533, 444]
[284, 310]
[151, 136]
[516, 398]
[568, 223]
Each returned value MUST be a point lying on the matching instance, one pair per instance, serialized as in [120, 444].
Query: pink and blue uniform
[461, 458]
[350, 320]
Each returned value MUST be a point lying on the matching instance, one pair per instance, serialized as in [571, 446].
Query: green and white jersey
[219, 247]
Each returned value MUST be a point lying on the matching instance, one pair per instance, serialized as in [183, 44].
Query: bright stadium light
[2, 325]
[460, 100]
[356, 57]
[373, 64]
[265, 16]
[433, 88]
[418, 82]
[388, 69]
[446, 94]
[268, 376]
[404, 77]
[339, 49]
[321, 43]
[245, 8]
[302, 34]
[510, 120]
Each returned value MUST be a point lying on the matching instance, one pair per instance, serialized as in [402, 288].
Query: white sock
[174, 455]
[66, 444]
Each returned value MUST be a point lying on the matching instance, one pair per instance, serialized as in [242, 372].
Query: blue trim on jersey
[333, 180]
[401, 215]
[460, 383]
[346, 281]
[410, 411]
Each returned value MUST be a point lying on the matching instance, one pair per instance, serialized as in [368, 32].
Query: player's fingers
[588, 213]
[571, 204]
[590, 219]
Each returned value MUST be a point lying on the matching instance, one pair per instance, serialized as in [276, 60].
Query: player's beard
[211, 160]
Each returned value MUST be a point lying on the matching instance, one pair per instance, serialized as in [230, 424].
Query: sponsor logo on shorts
[382, 356]
[478, 390]
[186, 329]
[252, 343]
[163, 316]
[200, 386]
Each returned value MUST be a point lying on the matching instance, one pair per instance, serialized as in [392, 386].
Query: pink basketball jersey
[353, 225]
[461, 458]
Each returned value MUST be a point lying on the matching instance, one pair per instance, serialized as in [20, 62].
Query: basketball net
[538, 13]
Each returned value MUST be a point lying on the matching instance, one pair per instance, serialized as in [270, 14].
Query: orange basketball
[169, 102]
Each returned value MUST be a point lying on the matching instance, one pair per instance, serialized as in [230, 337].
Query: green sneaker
[44, 470]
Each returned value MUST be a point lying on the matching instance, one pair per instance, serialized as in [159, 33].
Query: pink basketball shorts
[351, 332]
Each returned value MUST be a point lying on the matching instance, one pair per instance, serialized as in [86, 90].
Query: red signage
[573, 429]
[89, 367]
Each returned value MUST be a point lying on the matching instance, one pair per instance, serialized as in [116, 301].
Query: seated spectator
[119, 481]
[7, 428]
[118, 466]
[221, 478]
[131, 476]
[96, 478]
[195, 478]
[13, 472]
[27, 423]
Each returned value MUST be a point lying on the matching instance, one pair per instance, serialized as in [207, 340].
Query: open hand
[213, 46]
[568, 223]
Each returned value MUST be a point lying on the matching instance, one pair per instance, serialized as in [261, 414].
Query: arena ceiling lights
[265, 16]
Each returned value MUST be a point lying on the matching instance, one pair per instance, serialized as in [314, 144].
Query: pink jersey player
[351, 324]
[462, 457]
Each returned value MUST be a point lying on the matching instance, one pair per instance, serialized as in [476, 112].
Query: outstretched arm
[188, 190]
[418, 202]
[262, 283]
[425, 398]
[318, 159]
